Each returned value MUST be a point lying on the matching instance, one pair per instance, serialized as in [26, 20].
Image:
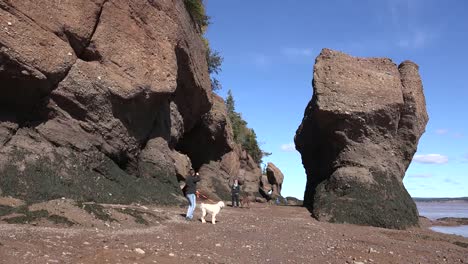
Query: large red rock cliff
[100, 100]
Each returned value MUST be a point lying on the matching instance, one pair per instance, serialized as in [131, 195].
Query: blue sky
[269, 48]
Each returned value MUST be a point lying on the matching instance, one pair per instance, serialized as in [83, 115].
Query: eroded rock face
[211, 138]
[95, 96]
[110, 101]
[219, 160]
[271, 183]
[236, 164]
[358, 136]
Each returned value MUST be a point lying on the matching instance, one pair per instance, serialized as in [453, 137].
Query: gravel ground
[260, 234]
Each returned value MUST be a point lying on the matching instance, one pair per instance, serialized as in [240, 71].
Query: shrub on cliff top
[214, 61]
[196, 9]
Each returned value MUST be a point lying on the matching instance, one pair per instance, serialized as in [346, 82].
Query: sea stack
[357, 138]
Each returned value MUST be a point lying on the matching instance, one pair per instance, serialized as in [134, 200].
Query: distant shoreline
[458, 199]
[450, 221]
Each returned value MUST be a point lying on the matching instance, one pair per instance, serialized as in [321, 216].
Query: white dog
[213, 209]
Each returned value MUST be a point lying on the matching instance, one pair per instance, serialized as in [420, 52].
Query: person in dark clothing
[190, 191]
[235, 190]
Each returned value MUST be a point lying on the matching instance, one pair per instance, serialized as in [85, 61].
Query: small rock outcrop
[293, 201]
[271, 183]
[358, 136]
[219, 175]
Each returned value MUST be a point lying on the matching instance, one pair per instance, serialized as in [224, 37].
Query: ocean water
[455, 230]
[435, 210]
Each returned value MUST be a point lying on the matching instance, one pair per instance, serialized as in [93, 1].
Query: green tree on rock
[243, 135]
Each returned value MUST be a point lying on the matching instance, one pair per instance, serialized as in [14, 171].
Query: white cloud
[444, 131]
[421, 175]
[407, 22]
[261, 60]
[402, 10]
[415, 39]
[465, 158]
[431, 159]
[297, 52]
[448, 180]
[403, 43]
[288, 147]
[441, 131]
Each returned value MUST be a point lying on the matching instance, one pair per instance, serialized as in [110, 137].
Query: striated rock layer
[358, 137]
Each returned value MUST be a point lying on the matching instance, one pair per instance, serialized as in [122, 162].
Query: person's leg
[191, 200]
[232, 199]
[193, 204]
[189, 205]
[237, 199]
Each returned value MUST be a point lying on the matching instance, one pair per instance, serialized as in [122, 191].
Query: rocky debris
[11, 202]
[358, 136]
[293, 201]
[139, 251]
[68, 213]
